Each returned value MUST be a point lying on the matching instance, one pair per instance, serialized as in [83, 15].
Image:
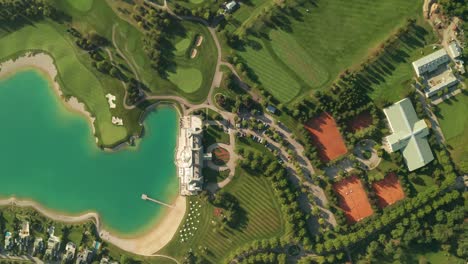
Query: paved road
[432, 118]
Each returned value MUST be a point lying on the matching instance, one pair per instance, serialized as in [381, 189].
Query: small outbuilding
[231, 7]
[271, 109]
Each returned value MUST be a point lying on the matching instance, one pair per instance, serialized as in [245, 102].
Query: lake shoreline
[160, 230]
[145, 243]
[44, 64]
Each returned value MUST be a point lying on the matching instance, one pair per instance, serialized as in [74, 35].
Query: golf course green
[187, 79]
[49, 155]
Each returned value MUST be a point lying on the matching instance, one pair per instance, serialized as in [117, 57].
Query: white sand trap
[194, 53]
[110, 100]
[117, 121]
[199, 41]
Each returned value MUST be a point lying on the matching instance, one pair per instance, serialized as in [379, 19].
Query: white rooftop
[429, 58]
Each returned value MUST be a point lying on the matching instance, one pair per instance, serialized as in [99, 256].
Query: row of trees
[23, 10]
[156, 23]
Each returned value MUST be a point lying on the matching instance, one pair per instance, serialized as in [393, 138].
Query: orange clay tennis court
[327, 137]
[388, 190]
[353, 199]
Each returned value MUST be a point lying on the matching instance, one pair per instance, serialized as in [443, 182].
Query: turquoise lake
[48, 154]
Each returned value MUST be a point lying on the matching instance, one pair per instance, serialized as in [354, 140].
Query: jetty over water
[147, 198]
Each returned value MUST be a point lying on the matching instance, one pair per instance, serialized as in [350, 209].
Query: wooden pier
[147, 198]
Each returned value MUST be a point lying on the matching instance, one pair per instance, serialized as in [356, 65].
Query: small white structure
[110, 100]
[230, 7]
[430, 62]
[24, 231]
[189, 157]
[70, 249]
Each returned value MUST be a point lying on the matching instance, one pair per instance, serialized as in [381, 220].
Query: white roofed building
[189, 157]
[430, 62]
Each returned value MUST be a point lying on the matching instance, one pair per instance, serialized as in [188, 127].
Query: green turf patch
[197, 1]
[454, 125]
[187, 79]
[271, 74]
[81, 5]
[182, 46]
[308, 49]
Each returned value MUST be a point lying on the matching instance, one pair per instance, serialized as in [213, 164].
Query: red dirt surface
[220, 156]
[388, 190]
[353, 199]
[327, 137]
[217, 211]
[360, 121]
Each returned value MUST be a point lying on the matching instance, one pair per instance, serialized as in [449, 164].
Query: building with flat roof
[430, 62]
[454, 50]
[448, 81]
[408, 134]
[189, 157]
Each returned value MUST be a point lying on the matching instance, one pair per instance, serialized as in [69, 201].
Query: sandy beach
[45, 64]
[145, 244]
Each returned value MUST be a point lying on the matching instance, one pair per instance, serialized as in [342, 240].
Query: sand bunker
[199, 41]
[117, 121]
[194, 53]
[110, 100]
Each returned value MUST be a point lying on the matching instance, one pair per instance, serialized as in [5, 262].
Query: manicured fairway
[187, 79]
[454, 123]
[197, 1]
[271, 74]
[327, 137]
[312, 47]
[353, 199]
[74, 77]
[388, 190]
[81, 5]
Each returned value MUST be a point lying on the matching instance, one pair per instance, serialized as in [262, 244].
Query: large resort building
[189, 157]
[408, 134]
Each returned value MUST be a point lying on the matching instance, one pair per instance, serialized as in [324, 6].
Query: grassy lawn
[214, 176]
[431, 253]
[74, 71]
[422, 182]
[81, 5]
[183, 45]
[303, 53]
[261, 220]
[454, 125]
[390, 76]
[215, 134]
[385, 165]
